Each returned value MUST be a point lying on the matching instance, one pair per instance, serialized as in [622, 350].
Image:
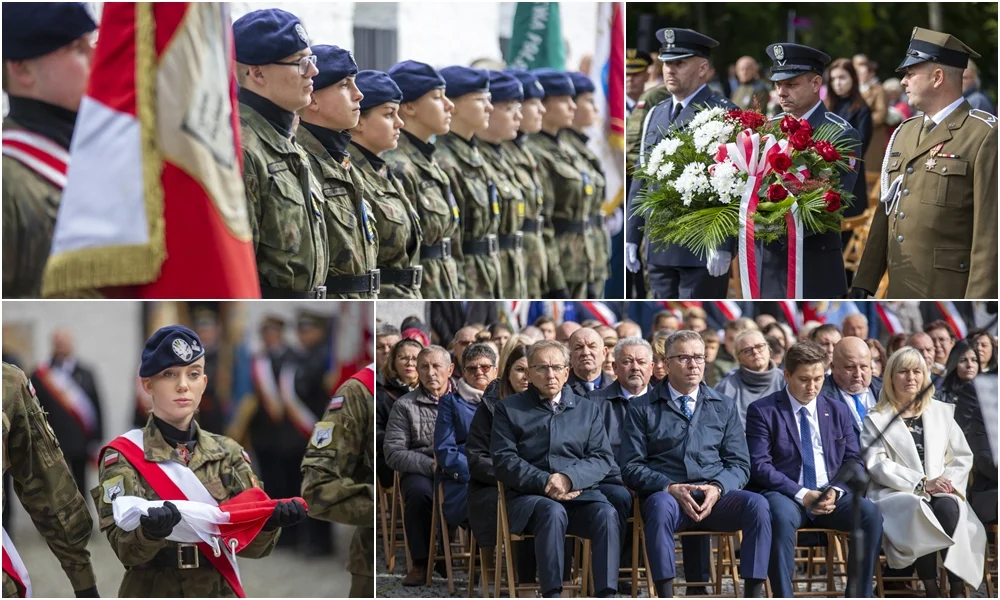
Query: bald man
[627, 329]
[564, 331]
[587, 354]
[855, 325]
[850, 379]
[752, 93]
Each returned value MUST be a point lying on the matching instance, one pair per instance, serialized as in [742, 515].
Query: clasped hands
[695, 511]
[939, 485]
[559, 487]
[820, 502]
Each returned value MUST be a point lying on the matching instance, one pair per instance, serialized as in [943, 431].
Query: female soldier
[426, 112]
[506, 96]
[584, 117]
[173, 374]
[397, 223]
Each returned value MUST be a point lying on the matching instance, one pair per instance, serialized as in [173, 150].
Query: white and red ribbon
[889, 319]
[791, 312]
[38, 153]
[601, 312]
[262, 373]
[954, 320]
[729, 309]
[793, 224]
[14, 566]
[298, 413]
[68, 393]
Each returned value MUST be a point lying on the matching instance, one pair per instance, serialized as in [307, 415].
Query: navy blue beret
[170, 346]
[581, 83]
[334, 64]
[33, 29]
[555, 83]
[529, 83]
[378, 89]
[504, 87]
[465, 80]
[266, 36]
[415, 79]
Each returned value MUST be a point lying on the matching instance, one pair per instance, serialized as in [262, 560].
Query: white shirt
[676, 398]
[627, 394]
[942, 114]
[817, 443]
[866, 399]
[687, 100]
[554, 402]
[809, 113]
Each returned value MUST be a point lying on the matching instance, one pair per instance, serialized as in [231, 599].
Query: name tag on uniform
[277, 167]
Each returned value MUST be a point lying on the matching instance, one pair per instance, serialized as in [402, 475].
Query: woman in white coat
[919, 470]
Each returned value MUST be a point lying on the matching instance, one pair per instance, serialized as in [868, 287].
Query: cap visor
[670, 57]
[786, 75]
[909, 61]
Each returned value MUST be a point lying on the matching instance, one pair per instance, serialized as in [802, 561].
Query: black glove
[859, 294]
[286, 513]
[90, 592]
[160, 521]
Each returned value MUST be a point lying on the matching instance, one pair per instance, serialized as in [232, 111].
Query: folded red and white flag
[14, 567]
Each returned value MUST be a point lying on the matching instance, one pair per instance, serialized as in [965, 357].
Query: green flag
[536, 39]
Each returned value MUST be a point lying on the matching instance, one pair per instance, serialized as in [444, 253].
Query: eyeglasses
[758, 349]
[686, 359]
[303, 63]
[542, 369]
[480, 368]
[406, 359]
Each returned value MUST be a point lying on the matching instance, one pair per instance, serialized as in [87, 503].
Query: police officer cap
[636, 62]
[529, 83]
[555, 83]
[792, 60]
[33, 29]
[378, 89]
[415, 79]
[927, 45]
[334, 64]
[676, 44]
[460, 81]
[266, 36]
[505, 86]
[581, 83]
[170, 346]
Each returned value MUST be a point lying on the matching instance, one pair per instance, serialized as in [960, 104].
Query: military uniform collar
[813, 110]
[329, 167]
[279, 143]
[685, 102]
[335, 142]
[464, 150]
[943, 114]
[49, 120]
[280, 119]
[360, 152]
[378, 174]
[157, 449]
[425, 148]
[942, 133]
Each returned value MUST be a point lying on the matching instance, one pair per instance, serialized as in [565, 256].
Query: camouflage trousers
[482, 277]
[577, 256]
[556, 279]
[512, 273]
[440, 279]
[535, 267]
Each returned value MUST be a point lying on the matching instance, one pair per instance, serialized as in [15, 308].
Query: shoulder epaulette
[837, 120]
[983, 116]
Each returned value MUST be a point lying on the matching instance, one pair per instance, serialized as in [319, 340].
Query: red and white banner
[792, 316]
[266, 388]
[607, 71]
[889, 319]
[68, 393]
[154, 204]
[350, 341]
[953, 318]
[37, 152]
[601, 312]
[729, 309]
[298, 413]
[14, 567]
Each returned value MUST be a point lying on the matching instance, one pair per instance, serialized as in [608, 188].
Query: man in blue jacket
[686, 456]
[798, 441]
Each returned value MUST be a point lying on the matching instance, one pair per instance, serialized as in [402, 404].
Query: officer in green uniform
[324, 134]
[44, 485]
[526, 171]
[426, 113]
[339, 477]
[172, 373]
[584, 117]
[935, 231]
[396, 221]
[275, 68]
[40, 40]
[633, 123]
[506, 96]
[568, 188]
[472, 183]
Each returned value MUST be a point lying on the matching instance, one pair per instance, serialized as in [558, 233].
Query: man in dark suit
[67, 391]
[686, 456]
[797, 74]
[448, 317]
[550, 450]
[979, 399]
[674, 271]
[850, 381]
[587, 353]
[798, 441]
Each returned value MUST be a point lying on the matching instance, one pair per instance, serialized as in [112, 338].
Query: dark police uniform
[675, 271]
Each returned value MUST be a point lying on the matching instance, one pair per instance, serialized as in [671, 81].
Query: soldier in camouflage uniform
[472, 182]
[526, 172]
[397, 222]
[506, 96]
[426, 112]
[44, 485]
[339, 476]
[584, 117]
[324, 133]
[285, 202]
[565, 179]
[173, 367]
[633, 124]
[37, 132]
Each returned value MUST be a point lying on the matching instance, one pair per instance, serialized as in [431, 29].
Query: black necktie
[676, 112]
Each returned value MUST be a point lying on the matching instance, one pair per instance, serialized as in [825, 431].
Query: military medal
[183, 453]
[346, 163]
[930, 164]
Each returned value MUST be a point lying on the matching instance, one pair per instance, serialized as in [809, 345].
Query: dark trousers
[282, 478]
[947, 512]
[787, 516]
[417, 493]
[551, 521]
[482, 514]
[621, 499]
[737, 510]
[685, 283]
[984, 503]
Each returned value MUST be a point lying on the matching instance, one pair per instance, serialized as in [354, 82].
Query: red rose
[826, 150]
[832, 200]
[789, 125]
[752, 120]
[776, 193]
[800, 140]
[805, 126]
[780, 162]
[735, 114]
[721, 154]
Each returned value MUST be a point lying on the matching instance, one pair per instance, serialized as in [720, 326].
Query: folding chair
[383, 502]
[990, 568]
[449, 547]
[833, 554]
[396, 524]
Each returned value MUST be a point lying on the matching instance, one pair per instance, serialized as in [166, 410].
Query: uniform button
[909, 170]
[906, 192]
[961, 265]
[900, 239]
[944, 169]
[902, 215]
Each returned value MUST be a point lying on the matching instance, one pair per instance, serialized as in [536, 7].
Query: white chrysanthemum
[655, 158]
[704, 116]
[727, 181]
[692, 181]
[708, 136]
[665, 171]
[669, 146]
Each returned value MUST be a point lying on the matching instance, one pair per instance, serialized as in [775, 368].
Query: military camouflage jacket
[339, 470]
[222, 466]
[526, 174]
[398, 225]
[285, 207]
[43, 483]
[512, 211]
[595, 171]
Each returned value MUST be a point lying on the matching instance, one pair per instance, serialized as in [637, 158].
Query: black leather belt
[270, 293]
[512, 242]
[181, 556]
[410, 278]
[596, 221]
[487, 245]
[440, 250]
[563, 226]
[369, 283]
[532, 226]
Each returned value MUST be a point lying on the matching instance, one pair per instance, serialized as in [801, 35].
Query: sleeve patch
[322, 435]
[110, 458]
[336, 403]
[113, 488]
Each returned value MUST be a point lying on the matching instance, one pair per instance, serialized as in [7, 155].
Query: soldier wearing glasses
[275, 69]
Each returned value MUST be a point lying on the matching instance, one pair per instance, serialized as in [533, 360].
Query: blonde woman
[919, 471]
